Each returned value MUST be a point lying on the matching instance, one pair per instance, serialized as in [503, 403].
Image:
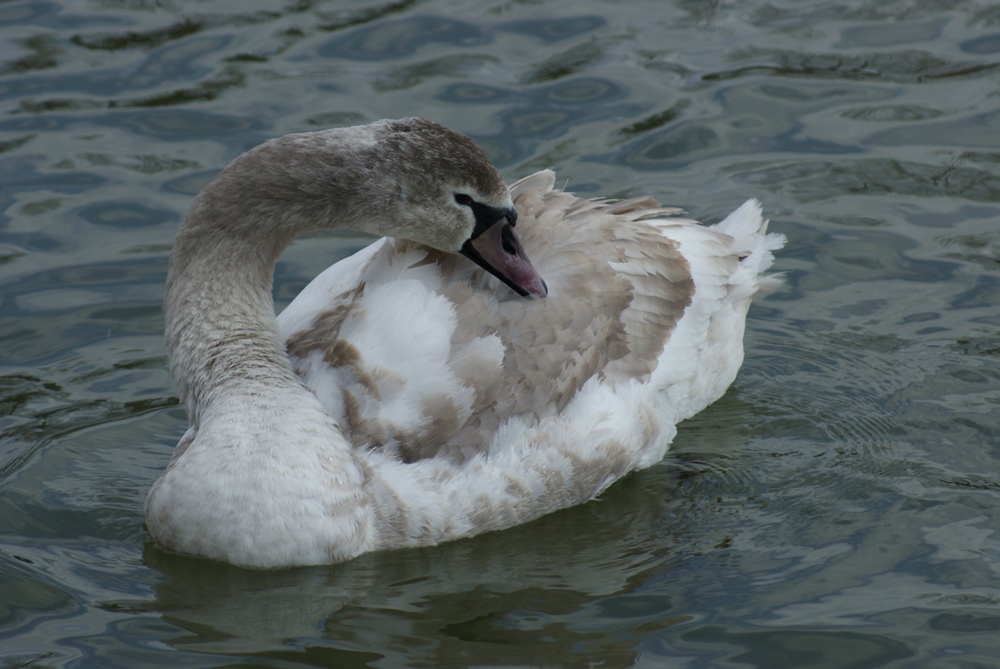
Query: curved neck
[221, 331]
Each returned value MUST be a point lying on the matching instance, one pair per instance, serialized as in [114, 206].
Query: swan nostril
[507, 240]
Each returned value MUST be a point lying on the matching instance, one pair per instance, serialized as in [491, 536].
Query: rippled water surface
[839, 507]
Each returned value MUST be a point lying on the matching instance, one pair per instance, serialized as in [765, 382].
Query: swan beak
[498, 250]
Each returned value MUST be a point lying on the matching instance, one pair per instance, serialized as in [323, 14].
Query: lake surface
[839, 507]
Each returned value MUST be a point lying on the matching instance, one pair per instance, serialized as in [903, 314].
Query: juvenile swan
[415, 393]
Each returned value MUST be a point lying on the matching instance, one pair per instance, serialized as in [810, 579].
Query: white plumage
[406, 397]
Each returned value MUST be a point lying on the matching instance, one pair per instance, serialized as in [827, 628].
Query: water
[837, 508]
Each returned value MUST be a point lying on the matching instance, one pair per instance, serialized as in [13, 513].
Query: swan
[500, 353]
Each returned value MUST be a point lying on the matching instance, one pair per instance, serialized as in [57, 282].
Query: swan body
[408, 396]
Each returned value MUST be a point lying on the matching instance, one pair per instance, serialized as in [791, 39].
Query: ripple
[566, 63]
[672, 147]
[892, 113]
[414, 74]
[966, 622]
[552, 30]
[166, 124]
[880, 176]
[14, 13]
[582, 90]
[978, 131]
[473, 93]
[987, 44]
[904, 66]
[393, 40]
[800, 648]
[117, 41]
[122, 214]
[888, 34]
[981, 248]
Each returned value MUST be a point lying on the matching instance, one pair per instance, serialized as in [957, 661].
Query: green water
[839, 507]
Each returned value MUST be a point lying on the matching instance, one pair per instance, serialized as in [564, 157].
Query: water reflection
[444, 605]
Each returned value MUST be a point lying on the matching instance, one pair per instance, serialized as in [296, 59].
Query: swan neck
[221, 332]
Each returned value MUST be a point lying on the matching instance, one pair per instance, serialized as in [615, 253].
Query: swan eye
[463, 199]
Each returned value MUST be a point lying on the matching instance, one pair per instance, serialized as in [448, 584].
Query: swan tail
[754, 246]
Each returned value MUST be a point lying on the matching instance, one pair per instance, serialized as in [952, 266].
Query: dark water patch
[111, 87]
[28, 13]
[885, 35]
[987, 44]
[336, 119]
[573, 61]
[581, 90]
[23, 173]
[965, 623]
[963, 212]
[789, 648]
[108, 274]
[53, 16]
[339, 19]
[139, 163]
[36, 345]
[540, 113]
[43, 54]
[469, 92]
[763, 117]
[552, 30]
[183, 60]
[17, 143]
[909, 66]
[987, 346]
[87, 305]
[149, 39]
[982, 249]
[23, 596]
[655, 121]
[865, 253]
[892, 113]
[59, 105]
[414, 74]
[985, 293]
[94, 86]
[201, 92]
[671, 148]
[401, 38]
[980, 131]
[50, 411]
[38, 242]
[186, 124]
[794, 15]
[571, 92]
[877, 176]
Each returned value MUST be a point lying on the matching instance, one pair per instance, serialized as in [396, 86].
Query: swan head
[448, 195]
